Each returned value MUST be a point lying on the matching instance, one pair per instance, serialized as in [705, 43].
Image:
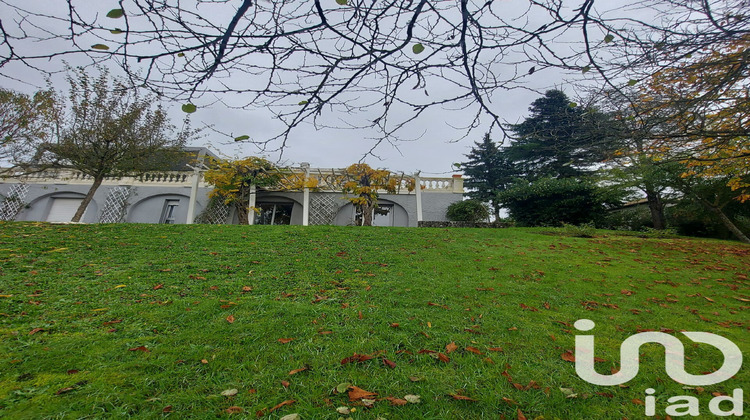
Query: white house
[181, 196]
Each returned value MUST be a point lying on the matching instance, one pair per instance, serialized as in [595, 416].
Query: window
[381, 215]
[274, 214]
[168, 214]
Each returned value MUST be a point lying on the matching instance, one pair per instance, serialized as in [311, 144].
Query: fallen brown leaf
[443, 358]
[302, 369]
[234, 410]
[319, 298]
[230, 319]
[396, 401]
[356, 358]
[281, 404]
[451, 347]
[389, 363]
[568, 356]
[285, 340]
[158, 286]
[461, 397]
[473, 350]
[520, 415]
[356, 393]
[140, 348]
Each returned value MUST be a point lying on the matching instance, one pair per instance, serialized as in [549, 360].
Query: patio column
[193, 195]
[418, 189]
[251, 206]
[306, 196]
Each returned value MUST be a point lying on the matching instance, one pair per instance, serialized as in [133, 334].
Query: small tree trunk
[656, 207]
[367, 214]
[86, 200]
[242, 214]
[725, 220]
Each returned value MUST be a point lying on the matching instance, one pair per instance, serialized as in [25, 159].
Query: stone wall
[448, 224]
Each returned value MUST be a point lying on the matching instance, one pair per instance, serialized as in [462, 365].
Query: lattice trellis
[323, 209]
[13, 202]
[215, 213]
[116, 205]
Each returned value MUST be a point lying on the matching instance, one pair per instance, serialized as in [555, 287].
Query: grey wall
[435, 205]
[146, 203]
[345, 215]
[40, 196]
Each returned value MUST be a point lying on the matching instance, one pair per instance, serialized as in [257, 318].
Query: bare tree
[382, 64]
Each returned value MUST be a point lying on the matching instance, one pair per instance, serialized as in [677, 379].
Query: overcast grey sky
[431, 144]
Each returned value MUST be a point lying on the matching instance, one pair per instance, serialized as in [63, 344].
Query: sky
[430, 145]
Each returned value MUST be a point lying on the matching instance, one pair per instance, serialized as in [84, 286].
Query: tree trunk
[242, 213]
[725, 220]
[86, 200]
[367, 211]
[656, 206]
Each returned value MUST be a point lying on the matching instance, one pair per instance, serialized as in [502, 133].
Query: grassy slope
[512, 288]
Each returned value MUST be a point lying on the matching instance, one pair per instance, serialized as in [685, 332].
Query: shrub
[585, 230]
[636, 218]
[552, 202]
[467, 211]
[692, 219]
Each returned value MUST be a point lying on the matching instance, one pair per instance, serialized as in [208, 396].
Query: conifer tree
[488, 172]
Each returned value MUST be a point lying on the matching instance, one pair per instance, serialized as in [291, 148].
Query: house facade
[182, 196]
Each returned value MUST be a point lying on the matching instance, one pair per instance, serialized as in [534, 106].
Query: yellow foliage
[705, 101]
[364, 183]
[232, 178]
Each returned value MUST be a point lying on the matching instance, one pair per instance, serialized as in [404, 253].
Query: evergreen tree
[488, 172]
[560, 139]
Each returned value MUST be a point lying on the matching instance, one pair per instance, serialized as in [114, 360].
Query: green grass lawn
[149, 321]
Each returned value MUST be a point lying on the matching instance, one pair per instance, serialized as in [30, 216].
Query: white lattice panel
[13, 202]
[323, 209]
[116, 205]
[216, 213]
